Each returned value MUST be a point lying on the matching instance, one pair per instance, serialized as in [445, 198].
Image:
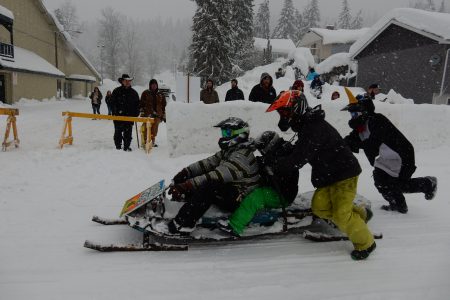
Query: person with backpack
[388, 151]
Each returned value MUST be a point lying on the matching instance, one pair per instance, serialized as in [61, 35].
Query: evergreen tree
[311, 15]
[357, 21]
[212, 46]
[345, 17]
[242, 31]
[262, 21]
[286, 28]
[298, 25]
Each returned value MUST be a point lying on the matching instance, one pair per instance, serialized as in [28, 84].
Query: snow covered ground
[48, 195]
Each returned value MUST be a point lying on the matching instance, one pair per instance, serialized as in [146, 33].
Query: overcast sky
[89, 10]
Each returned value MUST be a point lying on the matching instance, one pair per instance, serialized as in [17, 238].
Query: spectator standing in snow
[96, 100]
[373, 90]
[388, 151]
[335, 95]
[125, 102]
[264, 91]
[209, 94]
[312, 74]
[234, 93]
[279, 73]
[153, 104]
[108, 102]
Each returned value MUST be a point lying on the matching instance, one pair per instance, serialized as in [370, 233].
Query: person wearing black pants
[124, 102]
[389, 151]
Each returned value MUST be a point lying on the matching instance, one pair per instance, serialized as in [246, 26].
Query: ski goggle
[355, 114]
[227, 132]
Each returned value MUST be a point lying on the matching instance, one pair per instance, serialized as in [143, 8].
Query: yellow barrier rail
[11, 122]
[67, 128]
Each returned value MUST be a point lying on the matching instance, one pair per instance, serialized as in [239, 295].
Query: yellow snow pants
[335, 203]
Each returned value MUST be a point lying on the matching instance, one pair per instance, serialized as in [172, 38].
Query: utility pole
[101, 46]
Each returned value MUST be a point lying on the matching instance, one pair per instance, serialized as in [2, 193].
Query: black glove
[179, 191]
[181, 177]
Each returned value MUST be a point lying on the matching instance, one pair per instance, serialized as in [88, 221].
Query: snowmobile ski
[324, 237]
[105, 221]
[134, 248]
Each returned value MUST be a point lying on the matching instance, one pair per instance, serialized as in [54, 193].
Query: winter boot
[164, 228]
[224, 226]
[430, 195]
[393, 207]
[363, 254]
[128, 149]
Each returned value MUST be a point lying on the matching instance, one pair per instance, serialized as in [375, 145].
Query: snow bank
[253, 77]
[435, 23]
[394, 98]
[278, 45]
[190, 126]
[303, 59]
[340, 36]
[335, 60]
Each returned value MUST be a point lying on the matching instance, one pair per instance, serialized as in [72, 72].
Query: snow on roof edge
[278, 45]
[82, 77]
[339, 36]
[6, 12]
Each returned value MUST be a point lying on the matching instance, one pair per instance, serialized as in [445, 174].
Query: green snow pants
[335, 202]
[259, 199]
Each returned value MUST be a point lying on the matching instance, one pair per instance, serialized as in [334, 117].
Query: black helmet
[234, 131]
[267, 142]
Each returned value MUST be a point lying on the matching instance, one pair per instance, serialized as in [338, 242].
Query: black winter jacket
[125, 102]
[259, 94]
[382, 131]
[320, 145]
[234, 94]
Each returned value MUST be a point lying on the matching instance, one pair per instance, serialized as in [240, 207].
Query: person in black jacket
[264, 91]
[389, 151]
[234, 93]
[125, 102]
[335, 171]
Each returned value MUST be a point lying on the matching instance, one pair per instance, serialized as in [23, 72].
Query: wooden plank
[9, 111]
[107, 117]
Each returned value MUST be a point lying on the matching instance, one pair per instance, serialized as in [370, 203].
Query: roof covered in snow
[431, 24]
[339, 36]
[6, 12]
[278, 45]
[82, 77]
[335, 60]
[29, 61]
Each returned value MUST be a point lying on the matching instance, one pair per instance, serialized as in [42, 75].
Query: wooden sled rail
[67, 137]
[11, 122]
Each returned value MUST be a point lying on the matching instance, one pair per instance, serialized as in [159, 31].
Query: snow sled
[149, 206]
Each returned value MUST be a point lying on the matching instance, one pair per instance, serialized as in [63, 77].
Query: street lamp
[101, 46]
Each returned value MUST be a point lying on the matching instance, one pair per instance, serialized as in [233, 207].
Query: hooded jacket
[320, 145]
[153, 104]
[259, 94]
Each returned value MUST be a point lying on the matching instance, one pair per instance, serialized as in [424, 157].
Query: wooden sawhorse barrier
[67, 137]
[11, 122]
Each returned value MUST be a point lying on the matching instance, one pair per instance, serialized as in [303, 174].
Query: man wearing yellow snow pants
[335, 203]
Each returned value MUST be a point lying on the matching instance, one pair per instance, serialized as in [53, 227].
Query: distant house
[280, 47]
[325, 42]
[407, 50]
[38, 59]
